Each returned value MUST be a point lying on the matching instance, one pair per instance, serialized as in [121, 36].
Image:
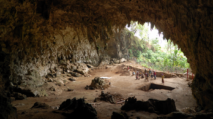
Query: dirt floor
[125, 85]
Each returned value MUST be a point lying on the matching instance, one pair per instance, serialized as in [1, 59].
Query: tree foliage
[150, 54]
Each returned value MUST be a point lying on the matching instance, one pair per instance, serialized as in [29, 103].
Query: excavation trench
[152, 86]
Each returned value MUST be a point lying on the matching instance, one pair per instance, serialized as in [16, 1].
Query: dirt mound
[100, 83]
[109, 97]
[123, 73]
[166, 75]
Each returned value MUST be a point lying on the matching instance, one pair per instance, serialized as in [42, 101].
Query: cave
[40, 38]
[153, 86]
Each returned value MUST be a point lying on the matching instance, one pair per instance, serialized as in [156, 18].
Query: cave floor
[127, 86]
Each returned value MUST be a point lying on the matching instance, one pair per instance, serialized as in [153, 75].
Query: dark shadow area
[152, 86]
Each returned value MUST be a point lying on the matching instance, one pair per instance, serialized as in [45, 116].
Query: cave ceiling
[186, 22]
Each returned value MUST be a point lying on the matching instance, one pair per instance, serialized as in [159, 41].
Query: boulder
[71, 79]
[19, 96]
[81, 110]
[100, 83]
[82, 69]
[89, 66]
[75, 74]
[59, 83]
[40, 105]
[152, 105]
[122, 60]
[69, 89]
[52, 88]
[30, 91]
[122, 115]
[73, 67]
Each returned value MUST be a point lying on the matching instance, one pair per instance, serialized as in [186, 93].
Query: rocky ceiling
[27, 25]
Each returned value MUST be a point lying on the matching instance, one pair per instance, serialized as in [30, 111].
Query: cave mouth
[152, 86]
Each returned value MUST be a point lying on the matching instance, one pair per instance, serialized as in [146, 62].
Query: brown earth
[127, 86]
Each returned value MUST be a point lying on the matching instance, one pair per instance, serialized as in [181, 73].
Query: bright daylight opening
[152, 50]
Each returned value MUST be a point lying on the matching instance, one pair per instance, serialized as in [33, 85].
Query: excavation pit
[152, 86]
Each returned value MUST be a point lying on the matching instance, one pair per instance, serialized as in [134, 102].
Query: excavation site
[106, 59]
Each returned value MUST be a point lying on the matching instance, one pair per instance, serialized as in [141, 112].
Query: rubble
[152, 105]
[108, 97]
[19, 96]
[40, 105]
[122, 115]
[81, 110]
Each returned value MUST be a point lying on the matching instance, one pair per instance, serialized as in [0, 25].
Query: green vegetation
[149, 53]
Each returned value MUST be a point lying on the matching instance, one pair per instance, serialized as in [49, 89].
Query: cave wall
[34, 31]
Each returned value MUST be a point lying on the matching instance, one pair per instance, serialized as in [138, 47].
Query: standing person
[136, 75]
[162, 78]
[154, 75]
[133, 73]
[128, 68]
[146, 75]
[142, 75]
[145, 71]
[149, 72]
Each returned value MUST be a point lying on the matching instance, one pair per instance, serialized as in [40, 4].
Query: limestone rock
[7, 111]
[19, 96]
[75, 74]
[81, 109]
[152, 105]
[59, 83]
[89, 66]
[122, 60]
[82, 69]
[100, 83]
[122, 115]
[71, 79]
[52, 88]
[40, 105]
[69, 89]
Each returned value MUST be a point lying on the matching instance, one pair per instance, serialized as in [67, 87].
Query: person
[154, 75]
[133, 73]
[145, 71]
[142, 75]
[136, 75]
[149, 72]
[146, 76]
[162, 78]
[128, 68]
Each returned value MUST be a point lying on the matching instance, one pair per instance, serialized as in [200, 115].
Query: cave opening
[151, 49]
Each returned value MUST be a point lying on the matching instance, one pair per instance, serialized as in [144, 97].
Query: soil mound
[99, 83]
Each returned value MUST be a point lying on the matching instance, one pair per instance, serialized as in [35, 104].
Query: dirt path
[127, 86]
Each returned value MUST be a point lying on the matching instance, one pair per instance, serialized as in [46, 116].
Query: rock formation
[39, 35]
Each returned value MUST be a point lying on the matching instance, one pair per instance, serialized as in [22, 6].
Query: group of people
[146, 74]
